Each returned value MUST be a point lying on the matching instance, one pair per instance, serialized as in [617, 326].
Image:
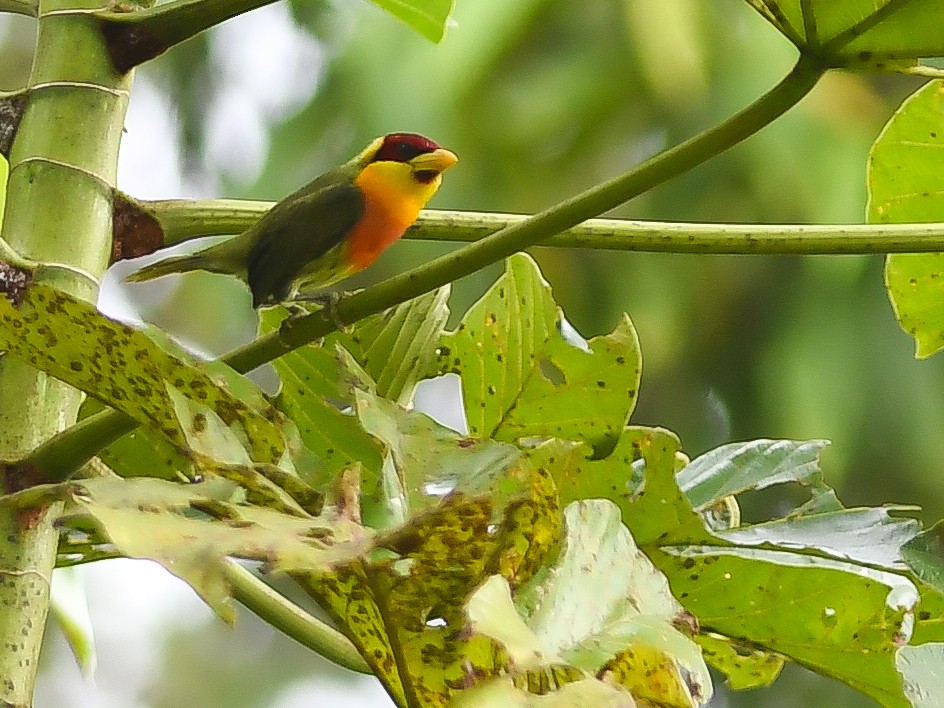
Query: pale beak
[430, 164]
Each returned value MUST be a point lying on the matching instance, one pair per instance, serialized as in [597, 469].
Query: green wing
[298, 230]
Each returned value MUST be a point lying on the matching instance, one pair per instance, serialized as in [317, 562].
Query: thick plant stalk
[63, 164]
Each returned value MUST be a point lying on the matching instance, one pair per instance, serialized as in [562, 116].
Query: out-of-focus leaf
[121, 366]
[192, 529]
[603, 609]
[521, 378]
[860, 32]
[906, 184]
[920, 669]
[756, 464]
[428, 17]
[69, 605]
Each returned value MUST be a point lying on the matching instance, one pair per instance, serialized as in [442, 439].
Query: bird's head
[403, 164]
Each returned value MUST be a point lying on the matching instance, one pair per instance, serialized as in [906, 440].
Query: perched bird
[329, 229]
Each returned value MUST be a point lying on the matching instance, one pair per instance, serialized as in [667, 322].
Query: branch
[182, 220]
[296, 333]
[135, 37]
[19, 7]
[285, 615]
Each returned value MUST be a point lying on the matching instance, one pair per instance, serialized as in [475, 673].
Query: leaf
[868, 536]
[192, 529]
[638, 476]
[906, 184]
[924, 554]
[501, 693]
[859, 32]
[603, 609]
[757, 464]
[403, 611]
[744, 665]
[69, 605]
[428, 17]
[69, 339]
[431, 461]
[839, 619]
[522, 378]
[920, 668]
[393, 349]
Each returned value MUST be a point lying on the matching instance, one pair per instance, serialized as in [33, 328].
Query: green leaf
[744, 665]
[638, 476]
[920, 668]
[602, 609]
[839, 619]
[69, 339]
[404, 611]
[869, 536]
[430, 461]
[192, 529]
[393, 349]
[924, 554]
[756, 464]
[586, 692]
[428, 17]
[69, 605]
[521, 378]
[859, 32]
[906, 184]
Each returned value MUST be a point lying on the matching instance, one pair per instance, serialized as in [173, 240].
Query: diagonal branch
[57, 459]
[135, 37]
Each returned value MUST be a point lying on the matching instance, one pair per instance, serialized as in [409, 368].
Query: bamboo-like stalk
[63, 162]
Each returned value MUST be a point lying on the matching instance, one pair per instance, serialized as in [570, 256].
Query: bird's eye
[406, 152]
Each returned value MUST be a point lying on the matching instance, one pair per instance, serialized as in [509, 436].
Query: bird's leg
[327, 301]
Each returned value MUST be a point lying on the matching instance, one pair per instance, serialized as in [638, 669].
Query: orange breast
[388, 213]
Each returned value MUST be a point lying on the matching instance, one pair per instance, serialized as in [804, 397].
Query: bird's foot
[324, 301]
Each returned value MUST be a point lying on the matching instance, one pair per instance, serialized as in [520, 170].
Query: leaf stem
[184, 220]
[288, 617]
[19, 7]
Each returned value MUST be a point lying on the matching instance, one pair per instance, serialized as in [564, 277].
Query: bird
[329, 229]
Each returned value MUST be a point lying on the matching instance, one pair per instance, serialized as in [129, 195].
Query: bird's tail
[202, 260]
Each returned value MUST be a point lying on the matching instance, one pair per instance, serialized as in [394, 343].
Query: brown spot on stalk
[135, 232]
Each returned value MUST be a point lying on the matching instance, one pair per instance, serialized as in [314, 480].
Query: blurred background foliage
[540, 99]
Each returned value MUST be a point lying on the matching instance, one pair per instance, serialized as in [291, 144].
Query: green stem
[19, 7]
[515, 237]
[292, 620]
[183, 220]
[135, 37]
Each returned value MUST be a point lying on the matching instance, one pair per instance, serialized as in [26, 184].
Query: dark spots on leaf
[76, 365]
[601, 384]
[924, 615]
[620, 360]
[492, 390]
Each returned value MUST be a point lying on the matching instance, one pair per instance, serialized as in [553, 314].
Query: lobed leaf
[522, 378]
[121, 366]
[905, 185]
